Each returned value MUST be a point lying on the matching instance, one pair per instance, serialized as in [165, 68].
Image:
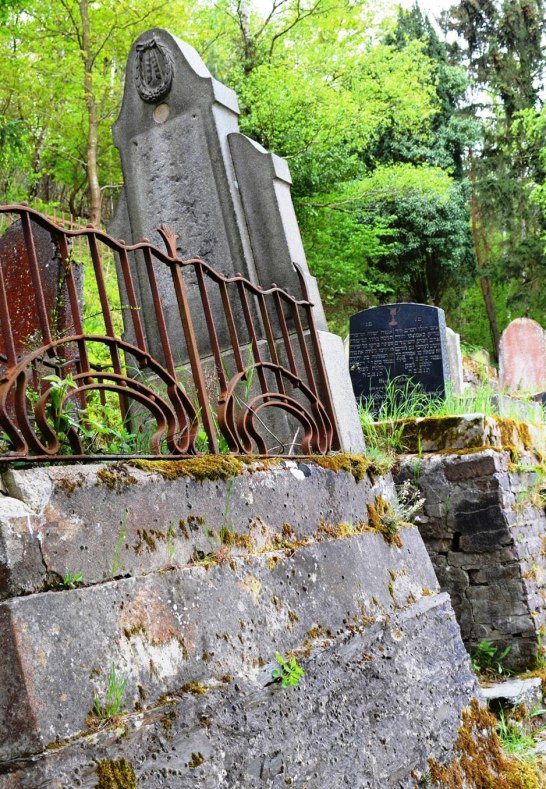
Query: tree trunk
[485, 281]
[92, 118]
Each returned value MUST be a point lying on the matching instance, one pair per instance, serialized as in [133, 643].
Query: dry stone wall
[484, 527]
[189, 589]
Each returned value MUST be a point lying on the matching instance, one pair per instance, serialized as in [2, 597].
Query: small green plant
[488, 661]
[71, 580]
[113, 702]
[514, 737]
[288, 673]
[403, 511]
[61, 412]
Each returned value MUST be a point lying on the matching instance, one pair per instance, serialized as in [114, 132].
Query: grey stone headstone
[402, 341]
[186, 165]
[455, 361]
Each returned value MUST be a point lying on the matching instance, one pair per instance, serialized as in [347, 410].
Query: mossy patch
[357, 465]
[480, 761]
[510, 430]
[224, 467]
[116, 775]
[381, 519]
[196, 688]
[200, 468]
[196, 760]
[115, 477]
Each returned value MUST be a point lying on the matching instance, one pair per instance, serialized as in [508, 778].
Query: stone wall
[484, 527]
[189, 589]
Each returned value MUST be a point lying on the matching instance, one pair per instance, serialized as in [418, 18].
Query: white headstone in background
[455, 361]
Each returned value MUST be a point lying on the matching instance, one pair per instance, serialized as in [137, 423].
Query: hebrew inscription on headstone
[403, 341]
[522, 357]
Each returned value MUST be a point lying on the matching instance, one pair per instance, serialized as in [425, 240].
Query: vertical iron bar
[9, 345]
[131, 295]
[326, 393]
[35, 275]
[271, 342]
[193, 351]
[107, 315]
[286, 337]
[74, 303]
[252, 334]
[228, 312]
[210, 326]
[159, 313]
[303, 348]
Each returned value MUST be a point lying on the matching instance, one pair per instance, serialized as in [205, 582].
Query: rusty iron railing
[256, 382]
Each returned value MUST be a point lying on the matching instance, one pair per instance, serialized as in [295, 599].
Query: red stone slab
[522, 357]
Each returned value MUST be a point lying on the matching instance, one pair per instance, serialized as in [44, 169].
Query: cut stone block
[386, 673]
[513, 692]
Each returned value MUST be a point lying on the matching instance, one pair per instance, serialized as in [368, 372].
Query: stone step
[514, 692]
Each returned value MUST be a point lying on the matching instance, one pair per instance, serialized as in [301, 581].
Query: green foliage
[288, 673]
[71, 580]
[487, 659]
[113, 701]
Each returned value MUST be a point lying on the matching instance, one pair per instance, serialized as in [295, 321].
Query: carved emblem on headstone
[154, 70]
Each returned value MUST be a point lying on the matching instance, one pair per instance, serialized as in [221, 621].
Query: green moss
[69, 484]
[357, 465]
[510, 429]
[116, 775]
[479, 760]
[115, 477]
[196, 688]
[380, 519]
[442, 430]
[148, 539]
[470, 450]
[199, 468]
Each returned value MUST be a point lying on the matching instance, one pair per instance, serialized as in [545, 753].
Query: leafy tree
[500, 44]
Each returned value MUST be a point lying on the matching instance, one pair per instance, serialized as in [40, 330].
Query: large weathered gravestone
[522, 357]
[404, 341]
[186, 165]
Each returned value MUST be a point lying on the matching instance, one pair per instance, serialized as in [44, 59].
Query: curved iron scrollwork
[245, 431]
[64, 385]
[172, 412]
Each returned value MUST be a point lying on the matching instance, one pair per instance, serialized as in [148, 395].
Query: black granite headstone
[398, 341]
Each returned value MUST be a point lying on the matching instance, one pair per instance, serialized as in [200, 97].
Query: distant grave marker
[522, 357]
[24, 308]
[455, 361]
[398, 340]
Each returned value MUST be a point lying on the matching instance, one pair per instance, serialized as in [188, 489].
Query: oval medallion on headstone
[154, 70]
